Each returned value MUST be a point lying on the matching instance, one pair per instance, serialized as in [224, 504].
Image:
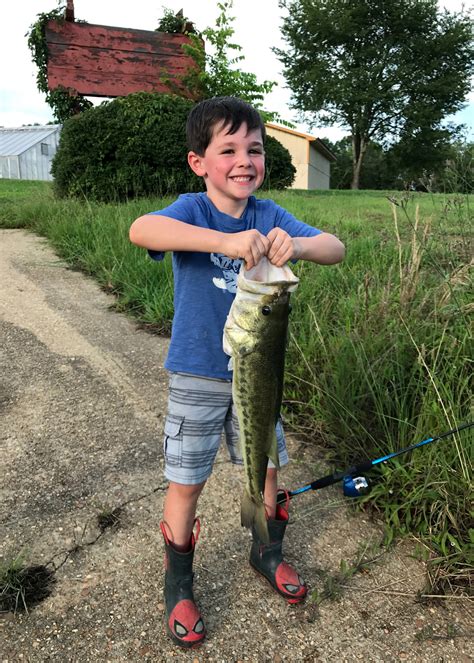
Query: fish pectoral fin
[273, 452]
[238, 341]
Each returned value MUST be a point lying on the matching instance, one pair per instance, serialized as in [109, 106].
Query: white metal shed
[26, 152]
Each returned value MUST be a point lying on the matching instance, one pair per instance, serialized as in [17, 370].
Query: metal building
[26, 152]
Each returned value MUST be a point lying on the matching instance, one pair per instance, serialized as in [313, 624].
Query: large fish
[255, 338]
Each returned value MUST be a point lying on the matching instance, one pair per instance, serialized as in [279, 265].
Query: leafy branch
[63, 101]
[218, 72]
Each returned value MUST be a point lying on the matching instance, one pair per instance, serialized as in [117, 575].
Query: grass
[22, 587]
[334, 584]
[109, 518]
[380, 353]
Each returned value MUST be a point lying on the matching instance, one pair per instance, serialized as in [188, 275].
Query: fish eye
[266, 310]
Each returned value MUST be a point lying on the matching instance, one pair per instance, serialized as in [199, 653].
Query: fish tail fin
[252, 514]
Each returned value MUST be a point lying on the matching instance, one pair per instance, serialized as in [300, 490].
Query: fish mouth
[265, 278]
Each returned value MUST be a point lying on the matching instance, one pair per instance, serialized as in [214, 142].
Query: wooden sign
[103, 61]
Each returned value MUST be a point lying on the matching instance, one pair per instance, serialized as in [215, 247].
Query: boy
[211, 234]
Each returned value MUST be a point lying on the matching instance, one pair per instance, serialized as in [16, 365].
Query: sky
[257, 29]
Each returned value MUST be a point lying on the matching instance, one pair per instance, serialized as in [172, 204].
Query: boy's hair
[229, 111]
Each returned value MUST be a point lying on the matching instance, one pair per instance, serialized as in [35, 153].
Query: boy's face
[233, 167]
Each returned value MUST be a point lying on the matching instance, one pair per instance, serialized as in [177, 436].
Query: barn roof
[15, 141]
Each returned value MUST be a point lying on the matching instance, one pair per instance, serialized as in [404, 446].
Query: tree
[381, 69]
[458, 176]
[422, 154]
[218, 72]
[341, 169]
[375, 174]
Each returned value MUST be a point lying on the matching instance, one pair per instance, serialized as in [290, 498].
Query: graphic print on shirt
[230, 270]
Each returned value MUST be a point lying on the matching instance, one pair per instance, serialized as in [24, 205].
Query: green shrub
[135, 146]
[130, 147]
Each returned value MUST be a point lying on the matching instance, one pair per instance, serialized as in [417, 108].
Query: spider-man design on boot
[267, 559]
[183, 619]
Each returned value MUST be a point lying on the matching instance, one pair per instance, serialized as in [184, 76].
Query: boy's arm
[325, 249]
[162, 233]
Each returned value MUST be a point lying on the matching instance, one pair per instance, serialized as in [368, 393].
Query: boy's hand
[249, 245]
[282, 247]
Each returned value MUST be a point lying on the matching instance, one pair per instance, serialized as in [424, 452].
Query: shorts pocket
[173, 440]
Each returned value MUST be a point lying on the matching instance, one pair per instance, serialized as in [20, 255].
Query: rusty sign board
[104, 61]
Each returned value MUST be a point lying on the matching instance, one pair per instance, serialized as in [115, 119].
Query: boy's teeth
[242, 179]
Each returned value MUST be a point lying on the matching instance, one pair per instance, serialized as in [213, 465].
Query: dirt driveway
[82, 399]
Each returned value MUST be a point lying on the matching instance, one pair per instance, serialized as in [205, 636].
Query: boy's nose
[244, 160]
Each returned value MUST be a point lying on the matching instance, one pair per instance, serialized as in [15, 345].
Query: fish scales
[255, 337]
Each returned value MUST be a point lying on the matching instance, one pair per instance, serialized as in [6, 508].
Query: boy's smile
[233, 167]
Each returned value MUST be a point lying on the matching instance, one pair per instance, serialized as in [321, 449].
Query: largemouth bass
[255, 338]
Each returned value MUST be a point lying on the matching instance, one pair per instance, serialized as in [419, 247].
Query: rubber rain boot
[183, 619]
[267, 559]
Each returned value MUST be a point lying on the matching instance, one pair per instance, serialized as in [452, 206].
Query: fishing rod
[354, 483]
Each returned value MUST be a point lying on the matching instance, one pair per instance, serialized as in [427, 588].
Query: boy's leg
[267, 559]
[271, 490]
[183, 618]
[180, 511]
[196, 411]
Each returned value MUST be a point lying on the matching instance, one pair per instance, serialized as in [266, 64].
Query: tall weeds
[381, 357]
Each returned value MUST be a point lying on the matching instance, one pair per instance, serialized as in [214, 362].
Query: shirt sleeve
[181, 210]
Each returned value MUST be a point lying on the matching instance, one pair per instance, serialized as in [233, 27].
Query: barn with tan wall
[310, 156]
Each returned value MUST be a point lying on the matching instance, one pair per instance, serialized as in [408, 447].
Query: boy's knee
[188, 491]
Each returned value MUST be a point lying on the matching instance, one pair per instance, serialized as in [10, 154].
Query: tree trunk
[359, 145]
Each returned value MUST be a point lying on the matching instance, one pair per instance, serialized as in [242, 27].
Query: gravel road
[82, 401]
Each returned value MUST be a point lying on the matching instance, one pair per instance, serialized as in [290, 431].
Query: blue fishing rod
[354, 483]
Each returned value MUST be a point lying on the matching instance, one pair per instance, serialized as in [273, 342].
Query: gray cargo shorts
[199, 411]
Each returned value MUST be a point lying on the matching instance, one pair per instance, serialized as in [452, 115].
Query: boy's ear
[196, 164]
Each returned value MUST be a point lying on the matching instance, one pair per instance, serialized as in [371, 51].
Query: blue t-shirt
[205, 284]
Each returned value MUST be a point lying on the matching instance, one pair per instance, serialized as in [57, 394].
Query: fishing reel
[355, 486]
